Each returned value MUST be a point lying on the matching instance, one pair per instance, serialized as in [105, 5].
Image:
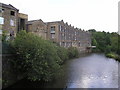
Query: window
[12, 13]
[52, 36]
[52, 29]
[1, 10]
[1, 20]
[60, 27]
[12, 22]
[62, 34]
[60, 43]
[63, 44]
[0, 32]
[79, 44]
[75, 38]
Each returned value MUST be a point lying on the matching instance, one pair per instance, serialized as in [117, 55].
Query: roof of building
[55, 21]
[32, 21]
[8, 6]
[21, 15]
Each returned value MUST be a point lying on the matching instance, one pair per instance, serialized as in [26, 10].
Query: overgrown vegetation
[105, 42]
[73, 52]
[37, 58]
[113, 55]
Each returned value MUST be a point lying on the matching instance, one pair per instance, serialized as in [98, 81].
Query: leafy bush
[105, 42]
[113, 55]
[39, 59]
[36, 57]
[62, 53]
[4, 36]
[73, 52]
[7, 48]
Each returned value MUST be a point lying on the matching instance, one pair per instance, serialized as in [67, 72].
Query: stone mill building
[59, 32]
[11, 20]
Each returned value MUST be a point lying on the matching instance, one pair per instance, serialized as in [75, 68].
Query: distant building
[61, 33]
[37, 27]
[11, 20]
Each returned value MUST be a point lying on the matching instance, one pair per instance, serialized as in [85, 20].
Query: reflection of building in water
[11, 20]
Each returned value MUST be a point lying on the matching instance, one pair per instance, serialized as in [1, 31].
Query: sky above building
[101, 15]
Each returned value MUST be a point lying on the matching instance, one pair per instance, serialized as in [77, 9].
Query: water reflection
[94, 71]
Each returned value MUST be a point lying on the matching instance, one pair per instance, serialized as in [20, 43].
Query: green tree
[114, 42]
[36, 57]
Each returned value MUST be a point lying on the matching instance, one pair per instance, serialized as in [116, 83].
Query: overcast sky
[101, 15]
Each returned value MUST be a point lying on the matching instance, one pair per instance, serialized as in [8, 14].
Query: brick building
[11, 20]
[68, 36]
[61, 33]
[37, 27]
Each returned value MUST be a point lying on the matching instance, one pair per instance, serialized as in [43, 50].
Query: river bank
[113, 55]
[34, 58]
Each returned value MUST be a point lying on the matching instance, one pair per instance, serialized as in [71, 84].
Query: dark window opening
[1, 10]
[79, 44]
[12, 13]
[22, 24]
[53, 28]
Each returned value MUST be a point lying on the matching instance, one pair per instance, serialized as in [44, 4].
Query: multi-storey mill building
[68, 36]
[11, 20]
[61, 33]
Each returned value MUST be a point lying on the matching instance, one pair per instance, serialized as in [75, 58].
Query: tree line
[105, 42]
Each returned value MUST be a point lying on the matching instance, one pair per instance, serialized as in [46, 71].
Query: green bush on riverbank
[106, 42]
[113, 55]
[73, 52]
[37, 58]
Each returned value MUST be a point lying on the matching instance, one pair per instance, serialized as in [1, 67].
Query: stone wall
[9, 74]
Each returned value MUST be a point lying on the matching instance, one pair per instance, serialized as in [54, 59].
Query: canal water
[88, 71]
[92, 71]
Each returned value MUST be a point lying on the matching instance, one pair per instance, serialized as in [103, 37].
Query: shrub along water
[105, 42]
[39, 59]
[73, 52]
[113, 55]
